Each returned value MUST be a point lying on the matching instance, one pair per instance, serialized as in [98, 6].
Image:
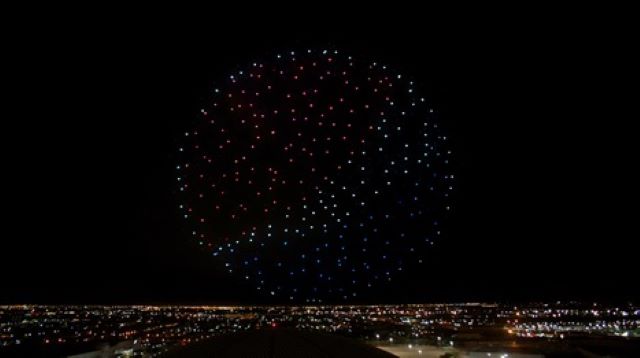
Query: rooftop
[280, 343]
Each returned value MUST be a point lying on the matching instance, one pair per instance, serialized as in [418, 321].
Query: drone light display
[315, 175]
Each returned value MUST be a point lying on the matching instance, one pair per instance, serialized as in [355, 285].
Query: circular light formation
[315, 175]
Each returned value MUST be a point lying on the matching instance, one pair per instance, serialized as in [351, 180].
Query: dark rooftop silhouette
[280, 343]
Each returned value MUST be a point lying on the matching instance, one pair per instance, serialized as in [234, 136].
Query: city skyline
[537, 328]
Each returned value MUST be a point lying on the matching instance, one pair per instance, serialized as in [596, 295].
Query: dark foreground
[281, 343]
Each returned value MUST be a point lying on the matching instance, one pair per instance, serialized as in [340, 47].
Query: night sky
[98, 111]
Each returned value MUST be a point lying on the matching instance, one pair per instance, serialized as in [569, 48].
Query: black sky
[541, 147]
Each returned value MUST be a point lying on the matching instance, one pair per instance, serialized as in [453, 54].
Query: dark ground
[281, 343]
